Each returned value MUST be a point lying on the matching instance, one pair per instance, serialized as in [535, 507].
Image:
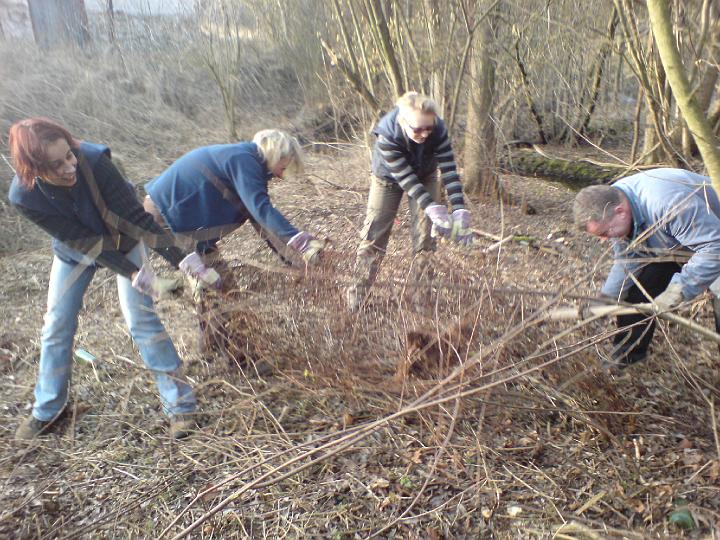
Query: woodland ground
[543, 443]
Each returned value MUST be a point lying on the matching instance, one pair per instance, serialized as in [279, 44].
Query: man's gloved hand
[461, 232]
[193, 266]
[156, 287]
[669, 298]
[309, 246]
[441, 221]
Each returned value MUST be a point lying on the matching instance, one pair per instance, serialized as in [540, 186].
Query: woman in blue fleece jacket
[211, 191]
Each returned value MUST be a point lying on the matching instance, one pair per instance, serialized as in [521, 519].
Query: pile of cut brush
[452, 406]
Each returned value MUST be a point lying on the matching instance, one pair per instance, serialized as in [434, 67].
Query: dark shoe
[31, 427]
[620, 358]
[181, 425]
[262, 368]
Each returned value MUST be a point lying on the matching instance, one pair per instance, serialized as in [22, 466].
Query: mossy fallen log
[572, 174]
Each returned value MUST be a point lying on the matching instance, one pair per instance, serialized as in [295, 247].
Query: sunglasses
[421, 129]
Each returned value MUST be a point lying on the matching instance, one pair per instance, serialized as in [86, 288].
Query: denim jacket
[676, 215]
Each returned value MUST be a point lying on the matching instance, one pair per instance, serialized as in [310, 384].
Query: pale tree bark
[525, 80]
[432, 17]
[480, 152]
[650, 76]
[705, 86]
[59, 22]
[388, 50]
[110, 16]
[698, 124]
[353, 78]
[480, 141]
[597, 77]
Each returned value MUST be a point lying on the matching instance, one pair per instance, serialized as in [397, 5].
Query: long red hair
[27, 141]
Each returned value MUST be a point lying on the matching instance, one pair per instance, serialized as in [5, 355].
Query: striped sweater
[398, 159]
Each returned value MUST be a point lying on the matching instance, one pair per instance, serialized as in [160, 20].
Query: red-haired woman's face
[61, 164]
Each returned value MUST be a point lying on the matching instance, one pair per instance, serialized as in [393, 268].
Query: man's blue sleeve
[697, 229]
[618, 281]
[251, 186]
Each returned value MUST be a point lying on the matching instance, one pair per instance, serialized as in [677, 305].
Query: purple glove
[156, 287]
[192, 265]
[461, 232]
[308, 245]
[441, 222]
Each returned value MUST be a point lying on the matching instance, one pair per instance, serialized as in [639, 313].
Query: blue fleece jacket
[213, 187]
[675, 213]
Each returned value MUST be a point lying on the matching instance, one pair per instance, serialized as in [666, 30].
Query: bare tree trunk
[387, 46]
[636, 124]
[705, 88]
[480, 141]
[59, 22]
[656, 146]
[528, 95]
[598, 74]
[697, 122]
[432, 15]
[353, 78]
[110, 15]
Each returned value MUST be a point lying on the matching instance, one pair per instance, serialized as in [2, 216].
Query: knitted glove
[669, 298]
[193, 266]
[156, 287]
[309, 246]
[461, 232]
[441, 221]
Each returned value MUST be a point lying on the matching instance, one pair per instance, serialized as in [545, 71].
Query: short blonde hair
[595, 203]
[414, 101]
[275, 145]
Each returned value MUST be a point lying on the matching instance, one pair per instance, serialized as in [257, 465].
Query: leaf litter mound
[447, 408]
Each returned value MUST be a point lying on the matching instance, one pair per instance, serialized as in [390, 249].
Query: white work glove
[441, 221]
[461, 232]
[309, 246]
[156, 287]
[669, 298]
[193, 266]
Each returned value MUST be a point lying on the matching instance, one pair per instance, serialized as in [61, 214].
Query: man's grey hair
[595, 203]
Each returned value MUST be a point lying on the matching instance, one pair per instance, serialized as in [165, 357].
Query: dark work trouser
[638, 329]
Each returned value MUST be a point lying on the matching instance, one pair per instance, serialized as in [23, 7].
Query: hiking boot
[621, 358]
[30, 428]
[181, 425]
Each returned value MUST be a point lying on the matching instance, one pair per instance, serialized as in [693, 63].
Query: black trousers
[636, 330]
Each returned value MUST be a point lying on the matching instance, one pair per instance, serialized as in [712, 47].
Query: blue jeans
[68, 283]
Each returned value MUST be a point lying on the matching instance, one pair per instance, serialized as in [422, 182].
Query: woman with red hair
[73, 191]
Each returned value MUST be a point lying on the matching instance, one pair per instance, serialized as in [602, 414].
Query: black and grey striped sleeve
[401, 171]
[448, 172]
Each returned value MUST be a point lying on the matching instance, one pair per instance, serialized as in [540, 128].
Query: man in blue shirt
[665, 229]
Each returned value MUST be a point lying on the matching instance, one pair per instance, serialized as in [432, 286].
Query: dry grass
[516, 433]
